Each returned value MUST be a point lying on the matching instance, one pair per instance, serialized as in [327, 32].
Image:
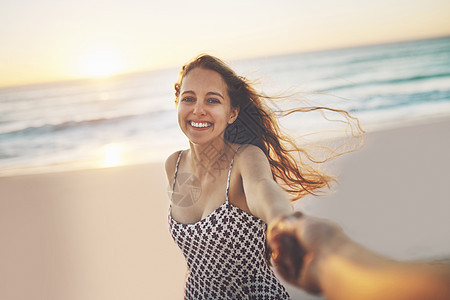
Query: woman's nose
[199, 109]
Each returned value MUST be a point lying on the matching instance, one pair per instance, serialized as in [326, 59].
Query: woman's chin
[200, 142]
[204, 140]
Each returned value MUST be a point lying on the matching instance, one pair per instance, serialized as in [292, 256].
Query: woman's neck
[211, 158]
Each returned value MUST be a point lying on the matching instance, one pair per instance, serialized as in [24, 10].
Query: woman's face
[204, 107]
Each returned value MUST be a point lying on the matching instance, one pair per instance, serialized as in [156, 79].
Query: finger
[283, 223]
[308, 277]
[288, 254]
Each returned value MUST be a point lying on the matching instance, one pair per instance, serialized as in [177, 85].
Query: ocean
[131, 118]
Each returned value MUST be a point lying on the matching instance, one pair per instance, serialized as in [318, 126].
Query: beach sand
[102, 234]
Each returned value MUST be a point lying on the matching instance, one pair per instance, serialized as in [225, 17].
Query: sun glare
[112, 155]
[101, 63]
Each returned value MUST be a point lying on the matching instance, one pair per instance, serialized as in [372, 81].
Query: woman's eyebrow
[187, 92]
[208, 94]
[216, 94]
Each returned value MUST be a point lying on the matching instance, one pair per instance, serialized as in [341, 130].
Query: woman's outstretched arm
[265, 198]
[332, 264]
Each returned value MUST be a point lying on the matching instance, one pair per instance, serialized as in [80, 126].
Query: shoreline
[95, 165]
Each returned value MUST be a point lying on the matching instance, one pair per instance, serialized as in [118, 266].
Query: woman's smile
[200, 124]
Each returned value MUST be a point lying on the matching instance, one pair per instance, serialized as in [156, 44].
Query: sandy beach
[102, 234]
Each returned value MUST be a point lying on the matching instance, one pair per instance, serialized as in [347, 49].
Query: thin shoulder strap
[176, 171]
[229, 173]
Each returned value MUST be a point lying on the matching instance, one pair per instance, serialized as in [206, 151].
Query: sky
[50, 40]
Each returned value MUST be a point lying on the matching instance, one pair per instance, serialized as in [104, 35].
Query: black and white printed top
[225, 254]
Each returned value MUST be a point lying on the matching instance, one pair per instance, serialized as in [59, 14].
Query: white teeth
[200, 125]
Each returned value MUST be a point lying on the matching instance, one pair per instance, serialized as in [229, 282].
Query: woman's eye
[188, 99]
[213, 100]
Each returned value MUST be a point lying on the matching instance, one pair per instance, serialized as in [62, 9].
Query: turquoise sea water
[131, 118]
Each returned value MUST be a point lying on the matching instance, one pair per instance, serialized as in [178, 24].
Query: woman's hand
[300, 244]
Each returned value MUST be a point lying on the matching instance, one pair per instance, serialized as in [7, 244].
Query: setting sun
[101, 63]
[112, 155]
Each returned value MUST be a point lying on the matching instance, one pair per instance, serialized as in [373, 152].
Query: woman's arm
[265, 198]
[339, 268]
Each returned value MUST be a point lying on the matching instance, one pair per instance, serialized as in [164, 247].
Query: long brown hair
[257, 124]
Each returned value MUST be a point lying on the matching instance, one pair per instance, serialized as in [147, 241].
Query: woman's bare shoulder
[248, 153]
[253, 162]
[249, 149]
[171, 163]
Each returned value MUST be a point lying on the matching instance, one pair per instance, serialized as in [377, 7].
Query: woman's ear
[234, 114]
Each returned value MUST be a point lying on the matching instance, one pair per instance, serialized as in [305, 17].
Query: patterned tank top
[225, 254]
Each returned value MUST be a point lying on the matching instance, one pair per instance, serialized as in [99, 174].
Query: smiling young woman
[237, 176]
[204, 108]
